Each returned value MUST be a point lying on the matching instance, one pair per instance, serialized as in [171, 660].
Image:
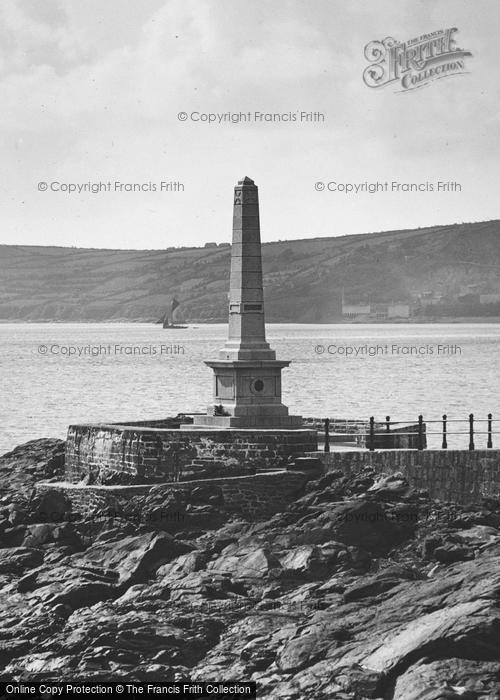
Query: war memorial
[247, 375]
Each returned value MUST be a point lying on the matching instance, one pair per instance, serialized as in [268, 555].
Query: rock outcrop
[361, 588]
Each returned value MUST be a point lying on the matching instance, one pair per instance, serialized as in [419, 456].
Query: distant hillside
[303, 279]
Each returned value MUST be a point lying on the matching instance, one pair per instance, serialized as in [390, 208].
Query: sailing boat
[165, 320]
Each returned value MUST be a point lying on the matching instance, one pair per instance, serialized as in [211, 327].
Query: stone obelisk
[247, 376]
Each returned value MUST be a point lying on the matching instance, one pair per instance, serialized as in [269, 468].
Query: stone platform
[149, 454]
[257, 495]
[273, 422]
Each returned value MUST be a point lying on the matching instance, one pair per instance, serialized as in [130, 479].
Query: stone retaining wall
[260, 495]
[123, 454]
[461, 476]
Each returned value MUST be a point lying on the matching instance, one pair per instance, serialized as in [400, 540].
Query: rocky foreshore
[361, 588]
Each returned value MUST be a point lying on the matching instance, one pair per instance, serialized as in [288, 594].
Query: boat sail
[165, 321]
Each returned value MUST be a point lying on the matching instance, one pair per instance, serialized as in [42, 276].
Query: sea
[56, 374]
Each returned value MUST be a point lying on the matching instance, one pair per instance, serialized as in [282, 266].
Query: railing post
[471, 431]
[327, 435]
[371, 442]
[420, 444]
[490, 442]
[444, 446]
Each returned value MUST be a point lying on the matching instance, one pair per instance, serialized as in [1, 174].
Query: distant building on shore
[375, 311]
[489, 298]
[355, 310]
[398, 311]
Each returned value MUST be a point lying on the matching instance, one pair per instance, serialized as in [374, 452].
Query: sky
[91, 92]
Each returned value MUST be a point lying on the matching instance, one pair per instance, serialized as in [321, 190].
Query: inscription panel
[225, 386]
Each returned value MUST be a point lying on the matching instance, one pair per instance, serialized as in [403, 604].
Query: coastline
[379, 322]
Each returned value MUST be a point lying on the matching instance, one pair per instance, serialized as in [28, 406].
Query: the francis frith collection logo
[416, 62]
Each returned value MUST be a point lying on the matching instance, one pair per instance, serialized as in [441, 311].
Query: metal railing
[418, 432]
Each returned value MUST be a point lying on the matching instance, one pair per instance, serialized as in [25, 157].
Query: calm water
[43, 391]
